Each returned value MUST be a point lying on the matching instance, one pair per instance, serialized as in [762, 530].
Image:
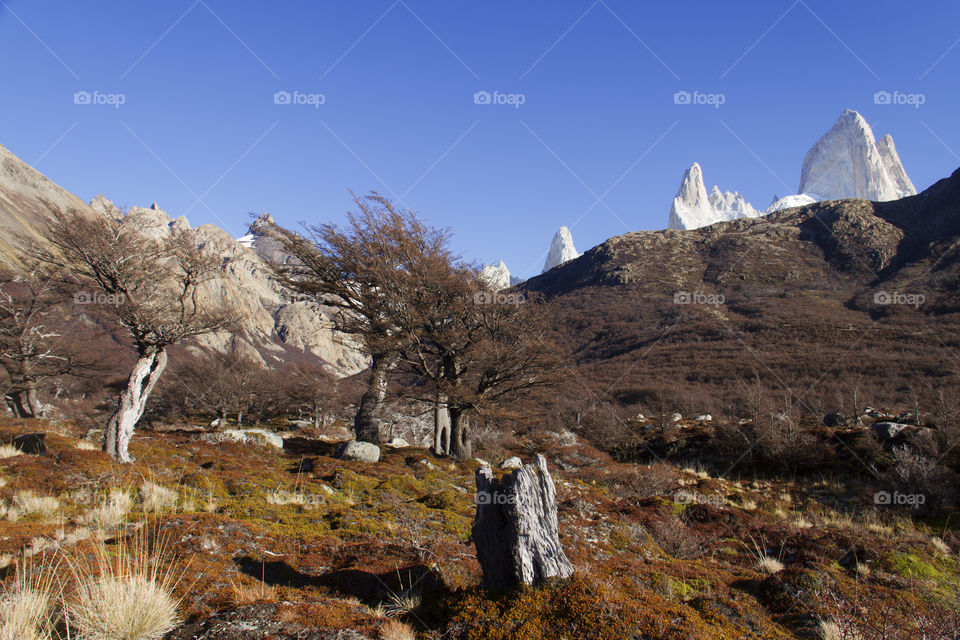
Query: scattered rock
[397, 443]
[216, 424]
[483, 463]
[245, 436]
[677, 417]
[705, 417]
[888, 430]
[357, 450]
[837, 419]
[300, 424]
[31, 443]
[511, 463]
[427, 464]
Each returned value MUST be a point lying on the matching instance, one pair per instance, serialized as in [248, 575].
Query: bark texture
[516, 529]
[133, 400]
[366, 424]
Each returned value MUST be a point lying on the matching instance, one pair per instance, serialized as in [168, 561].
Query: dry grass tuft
[111, 512]
[27, 604]
[940, 545]
[28, 503]
[768, 565]
[86, 445]
[396, 630]
[242, 594]
[9, 451]
[127, 595]
[156, 498]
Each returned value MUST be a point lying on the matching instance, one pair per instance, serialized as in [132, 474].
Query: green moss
[447, 499]
[910, 565]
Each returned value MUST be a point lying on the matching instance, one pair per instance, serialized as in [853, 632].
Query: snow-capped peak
[561, 250]
[692, 208]
[848, 162]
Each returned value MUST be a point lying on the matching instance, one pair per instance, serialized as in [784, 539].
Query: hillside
[819, 300]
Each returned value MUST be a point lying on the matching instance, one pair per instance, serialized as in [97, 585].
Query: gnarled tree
[481, 351]
[364, 272]
[35, 345]
[149, 285]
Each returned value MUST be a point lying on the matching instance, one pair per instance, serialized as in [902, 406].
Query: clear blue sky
[598, 119]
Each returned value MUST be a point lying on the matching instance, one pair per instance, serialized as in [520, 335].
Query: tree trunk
[516, 530]
[441, 427]
[33, 404]
[15, 404]
[133, 400]
[366, 424]
[460, 446]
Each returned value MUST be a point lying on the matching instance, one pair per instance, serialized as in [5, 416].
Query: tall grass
[125, 595]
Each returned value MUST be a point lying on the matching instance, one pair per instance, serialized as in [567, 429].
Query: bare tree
[364, 272]
[33, 347]
[148, 285]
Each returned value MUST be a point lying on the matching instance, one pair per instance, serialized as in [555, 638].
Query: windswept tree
[364, 272]
[481, 351]
[151, 286]
[35, 345]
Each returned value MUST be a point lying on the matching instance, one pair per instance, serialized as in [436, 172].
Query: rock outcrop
[274, 329]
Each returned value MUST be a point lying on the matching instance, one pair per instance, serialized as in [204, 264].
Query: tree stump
[515, 529]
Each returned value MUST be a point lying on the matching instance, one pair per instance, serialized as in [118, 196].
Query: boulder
[511, 463]
[837, 419]
[245, 436]
[31, 443]
[357, 450]
[888, 430]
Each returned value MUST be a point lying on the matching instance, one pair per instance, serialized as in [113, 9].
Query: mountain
[561, 249]
[497, 276]
[275, 330]
[821, 299]
[848, 162]
[23, 194]
[692, 208]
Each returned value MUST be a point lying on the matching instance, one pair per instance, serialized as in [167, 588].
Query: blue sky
[597, 144]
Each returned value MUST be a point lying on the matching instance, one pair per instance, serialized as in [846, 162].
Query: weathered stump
[516, 530]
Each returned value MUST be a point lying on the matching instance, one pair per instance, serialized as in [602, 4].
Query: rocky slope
[275, 330]
[816, 297]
